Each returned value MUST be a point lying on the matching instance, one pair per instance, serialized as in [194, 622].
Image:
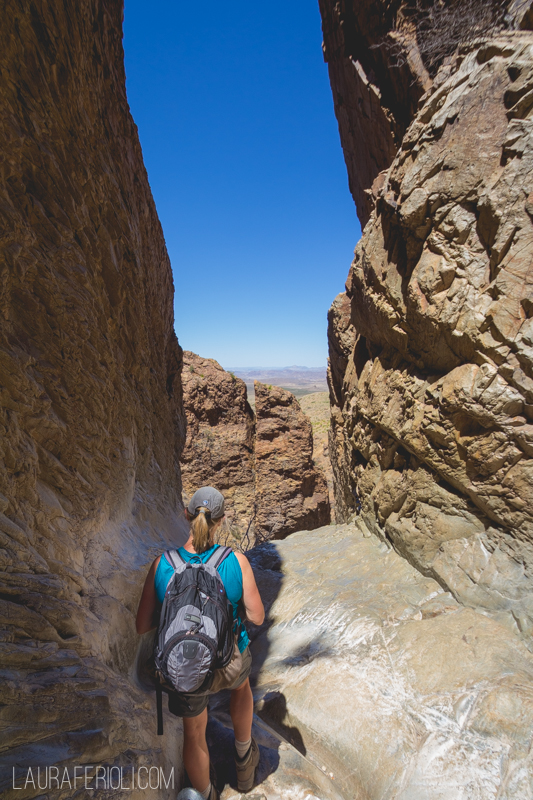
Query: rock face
[90, 420]
[382, 57]
[291, 493]
[383, 680]
[263, 464]
[373, 103]
[431, 369]
[219, 447]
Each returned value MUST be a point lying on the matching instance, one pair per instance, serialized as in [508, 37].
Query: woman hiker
[205, 513]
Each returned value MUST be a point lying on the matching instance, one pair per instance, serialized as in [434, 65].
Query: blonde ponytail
[201, 527]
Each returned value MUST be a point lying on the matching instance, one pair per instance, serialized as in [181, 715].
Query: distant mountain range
[298, 380]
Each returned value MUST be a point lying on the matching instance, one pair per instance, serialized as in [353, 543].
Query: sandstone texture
[431, 367]
[382, 680]
[90, 422]
[262, 461]
[291, 494]
[219, 446]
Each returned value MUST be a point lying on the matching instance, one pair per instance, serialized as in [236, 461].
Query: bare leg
[195, 752]
[241, 708]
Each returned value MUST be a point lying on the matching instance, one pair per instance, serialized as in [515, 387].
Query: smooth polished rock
[283, 772]
[376, 673]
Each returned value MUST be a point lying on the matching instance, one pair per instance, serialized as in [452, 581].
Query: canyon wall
[431, 347]
[91, 420]
[262, 461]
[382, 57]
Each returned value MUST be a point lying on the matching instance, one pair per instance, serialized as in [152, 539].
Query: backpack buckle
[190, 649]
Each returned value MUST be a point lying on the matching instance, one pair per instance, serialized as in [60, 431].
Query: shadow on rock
[272, 708]
[266, 564]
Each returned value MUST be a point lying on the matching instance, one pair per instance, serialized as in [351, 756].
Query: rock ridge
[382, 59]
[261, 461]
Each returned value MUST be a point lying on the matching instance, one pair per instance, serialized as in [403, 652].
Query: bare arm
[146, 613]
[251, 598]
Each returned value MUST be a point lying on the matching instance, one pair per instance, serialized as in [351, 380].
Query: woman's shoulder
[234, 561]
[241, 558]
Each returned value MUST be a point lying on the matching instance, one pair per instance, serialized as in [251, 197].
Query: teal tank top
[230, 572]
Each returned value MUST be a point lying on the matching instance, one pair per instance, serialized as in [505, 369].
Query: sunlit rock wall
[90, 420]
[431, 348]
[219, 446]
[382, 56]
[383, 680]
[291, 492]
[373, 102]
[262, 462]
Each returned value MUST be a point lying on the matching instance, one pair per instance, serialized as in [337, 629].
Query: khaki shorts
[190, 705]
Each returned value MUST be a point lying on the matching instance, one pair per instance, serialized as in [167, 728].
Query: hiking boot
[246, 767]
[192, 794]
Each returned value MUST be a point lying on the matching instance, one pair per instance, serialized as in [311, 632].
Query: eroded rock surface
[219, 447]
[90, 419]
[432, 430]
[262, 462]
[386, 683]
[382, 56]
[373, 102]
[291, 493]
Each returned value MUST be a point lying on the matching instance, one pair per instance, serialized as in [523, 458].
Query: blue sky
[236, 122]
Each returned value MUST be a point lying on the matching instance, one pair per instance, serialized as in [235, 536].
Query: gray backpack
[195, 635]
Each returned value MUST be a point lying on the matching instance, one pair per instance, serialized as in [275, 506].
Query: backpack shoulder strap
[174, 558]
[218, 556]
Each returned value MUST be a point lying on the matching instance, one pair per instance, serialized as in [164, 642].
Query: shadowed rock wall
[431, 349]
[90, 420]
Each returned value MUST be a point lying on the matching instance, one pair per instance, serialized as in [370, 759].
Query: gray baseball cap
[209, 498]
